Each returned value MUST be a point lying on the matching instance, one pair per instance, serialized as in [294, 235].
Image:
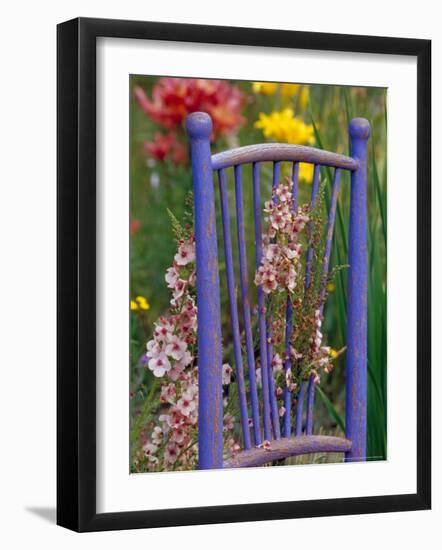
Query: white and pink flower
[159, 365]
[153, 348]
[176, 348]
[186, 253]
[227, 374]
[186, 404]
[277, 364]
[178, 290]
[171, 453]
[171, 277]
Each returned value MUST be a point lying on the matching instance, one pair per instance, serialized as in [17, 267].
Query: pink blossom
[266, 277]
[277, 363]
[176, 348]
[293, 250]
[316, 377]
[186, 405]
[192, 278]
[171, 453]
[294, 354]
[265, 445]
[188, 320]
[178, 435]
[229, 422]
[171, 277]
[233, 446]
[290, 278]
[185, 254]
[192, 389]
[159, 365]
[299, 223]
[157, 435]
[271, 251]
[288, 378]
[153, 348]
[227, 374]
[283, 193]
[168, 392]
[186, 358]
[280, 218]
[149, 450]
[176, 371]
[166, 421]
[163, 330]
[178, 290]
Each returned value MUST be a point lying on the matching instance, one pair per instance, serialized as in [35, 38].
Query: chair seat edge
[287, 447]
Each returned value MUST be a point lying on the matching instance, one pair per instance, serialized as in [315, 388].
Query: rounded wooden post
[356, 372]
[210, 408]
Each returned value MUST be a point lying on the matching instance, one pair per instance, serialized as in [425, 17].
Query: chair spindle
[233, 309]
[263, 349]
[247, 320]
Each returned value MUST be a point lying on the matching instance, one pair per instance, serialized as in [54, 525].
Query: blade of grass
[331, 408]
[379, 195]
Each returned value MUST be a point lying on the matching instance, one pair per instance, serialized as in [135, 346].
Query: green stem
[148, 405]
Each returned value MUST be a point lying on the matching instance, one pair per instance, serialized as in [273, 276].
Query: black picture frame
[76, 273]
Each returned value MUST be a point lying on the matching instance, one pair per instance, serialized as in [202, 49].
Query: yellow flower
[306, 172]
[284, 126]
[331, 287]
[140, 302]
[289, 90]
[304, 96]
[265, 88]
[333, 353]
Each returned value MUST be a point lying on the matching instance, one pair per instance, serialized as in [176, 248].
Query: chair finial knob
[359, 128]
[199, 125]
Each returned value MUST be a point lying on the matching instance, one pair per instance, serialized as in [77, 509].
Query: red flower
[134, 226]
[174, 98]
[166, 145]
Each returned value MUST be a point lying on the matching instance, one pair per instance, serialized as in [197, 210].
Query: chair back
[262, 402]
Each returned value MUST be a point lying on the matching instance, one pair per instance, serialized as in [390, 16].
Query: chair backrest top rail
[281, 152]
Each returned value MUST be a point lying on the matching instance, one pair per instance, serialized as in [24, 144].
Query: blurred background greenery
[246, 113]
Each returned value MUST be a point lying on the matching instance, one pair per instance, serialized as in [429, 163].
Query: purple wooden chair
[266, 424]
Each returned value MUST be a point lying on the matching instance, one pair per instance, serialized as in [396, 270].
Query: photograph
[273, 352]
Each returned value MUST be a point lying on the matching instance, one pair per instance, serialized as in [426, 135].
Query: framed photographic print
[243, 274]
